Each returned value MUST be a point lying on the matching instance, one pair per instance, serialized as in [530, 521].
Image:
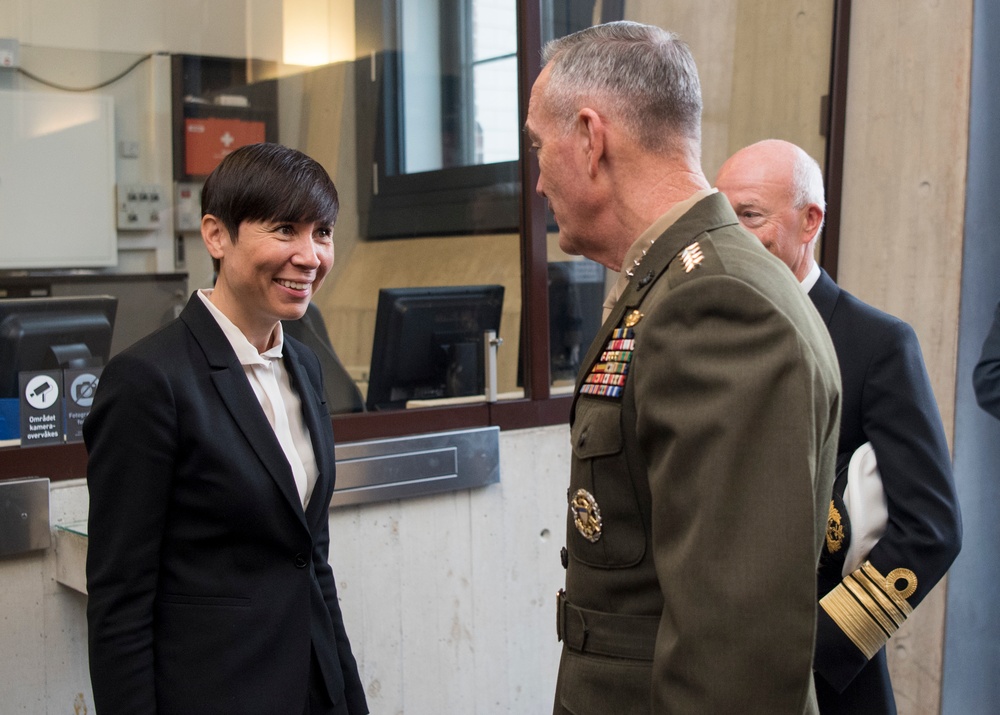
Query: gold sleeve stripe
[840, 607]
[870, 603]
[868, 607]
[883, 591]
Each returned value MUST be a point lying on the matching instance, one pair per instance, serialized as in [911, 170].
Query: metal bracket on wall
[24, 516]
[403, 467]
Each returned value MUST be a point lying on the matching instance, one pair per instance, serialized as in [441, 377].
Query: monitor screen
[576, 304]
[429, 343]
[576, 299]
[52, 333]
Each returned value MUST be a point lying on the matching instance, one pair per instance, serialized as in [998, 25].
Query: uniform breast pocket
[606, 528]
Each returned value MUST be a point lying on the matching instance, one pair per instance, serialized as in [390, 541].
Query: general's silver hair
[642, 75]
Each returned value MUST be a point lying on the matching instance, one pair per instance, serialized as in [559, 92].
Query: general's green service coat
[704, 433]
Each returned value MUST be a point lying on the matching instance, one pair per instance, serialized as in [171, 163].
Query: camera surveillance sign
[55, 403]
[41, 408]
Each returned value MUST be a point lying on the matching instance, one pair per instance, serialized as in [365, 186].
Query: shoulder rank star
[691, 257]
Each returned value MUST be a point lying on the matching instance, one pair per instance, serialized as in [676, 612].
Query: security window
[442, 156]
[459, 94]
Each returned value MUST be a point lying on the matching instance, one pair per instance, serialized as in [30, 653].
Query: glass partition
[415, 108]
[765, 73]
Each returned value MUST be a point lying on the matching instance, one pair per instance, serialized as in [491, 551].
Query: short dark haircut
[268, 182]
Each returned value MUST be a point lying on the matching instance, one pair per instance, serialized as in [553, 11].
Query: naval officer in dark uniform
[704, 423]
[894, 525]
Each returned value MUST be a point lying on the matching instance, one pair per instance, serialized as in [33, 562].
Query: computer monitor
[576, 300]
[52, 333]
[429, 343]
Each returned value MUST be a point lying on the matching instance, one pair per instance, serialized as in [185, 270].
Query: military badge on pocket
[586, 515]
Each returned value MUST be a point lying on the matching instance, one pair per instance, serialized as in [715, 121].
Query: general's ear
[215, 235]
[593, 131]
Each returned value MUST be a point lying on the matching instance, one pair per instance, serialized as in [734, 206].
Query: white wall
[225, 28]
[449, 600]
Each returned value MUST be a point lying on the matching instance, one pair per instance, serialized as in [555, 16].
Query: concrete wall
[43, 662]
[902, 229]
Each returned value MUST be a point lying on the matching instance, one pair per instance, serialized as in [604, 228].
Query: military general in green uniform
[705, 420]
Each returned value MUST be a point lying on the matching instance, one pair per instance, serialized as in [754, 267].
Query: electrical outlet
[140, 206]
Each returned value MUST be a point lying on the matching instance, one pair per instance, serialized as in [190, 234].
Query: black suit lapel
[317, 420]
[234, 389]
[824, 296]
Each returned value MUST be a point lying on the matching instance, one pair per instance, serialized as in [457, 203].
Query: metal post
[490, 344]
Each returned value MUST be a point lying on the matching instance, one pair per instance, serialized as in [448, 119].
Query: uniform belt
[612, 634]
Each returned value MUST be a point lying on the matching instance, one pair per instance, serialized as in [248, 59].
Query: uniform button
[583, 438]
[301, 561]
[645, 280]
[564, 557]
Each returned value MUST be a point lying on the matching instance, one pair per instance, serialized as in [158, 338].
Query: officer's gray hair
[644, 76]
[807, 184]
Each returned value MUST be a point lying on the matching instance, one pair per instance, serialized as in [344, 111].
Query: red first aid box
[208, 141]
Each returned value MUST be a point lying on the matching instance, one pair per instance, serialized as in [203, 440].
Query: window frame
[440, 202]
